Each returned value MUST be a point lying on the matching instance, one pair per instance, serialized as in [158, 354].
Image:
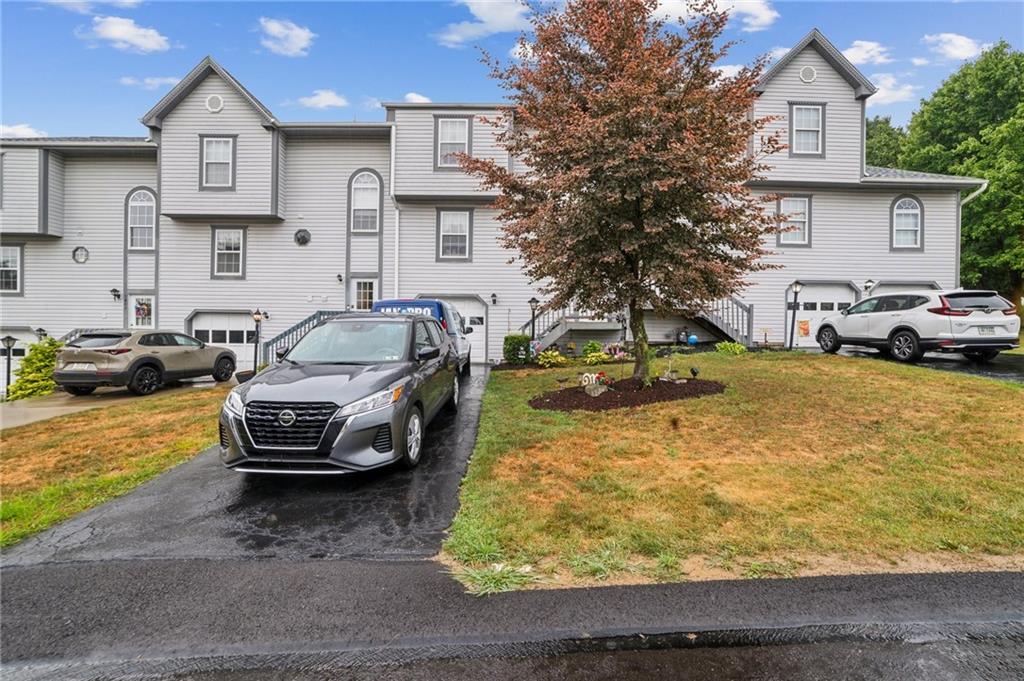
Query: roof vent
[214, 103]
[808, 74]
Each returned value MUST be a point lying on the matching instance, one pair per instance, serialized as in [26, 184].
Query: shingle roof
[95, 139]
[876, 172]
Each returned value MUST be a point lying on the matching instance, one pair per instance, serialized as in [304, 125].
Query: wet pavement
[201, 510]
[1005, 367]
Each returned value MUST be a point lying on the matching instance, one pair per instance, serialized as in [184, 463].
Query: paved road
[23, 412]
[1004, 367]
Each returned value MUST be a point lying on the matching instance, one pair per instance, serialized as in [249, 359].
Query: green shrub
[35, 375]
[552, 358]
[590, 347]
[730, 348]
[517, 348]
[596, 358]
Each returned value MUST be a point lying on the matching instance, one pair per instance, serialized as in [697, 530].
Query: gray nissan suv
[355, 393]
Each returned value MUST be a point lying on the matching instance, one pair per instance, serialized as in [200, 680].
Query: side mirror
[202, 345]
[844, 312]
[280, 353]
[469, 330]
[428, 353]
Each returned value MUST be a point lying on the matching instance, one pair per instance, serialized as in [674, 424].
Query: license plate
[986, 330]
[80, 366]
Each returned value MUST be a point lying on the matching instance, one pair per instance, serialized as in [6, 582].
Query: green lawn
[54, 469]
[1019, 350]
[807, 464]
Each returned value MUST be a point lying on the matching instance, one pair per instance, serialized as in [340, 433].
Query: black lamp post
[257, 316]
[40, 333]
[797, 287]
[533, 317]
[8, 342]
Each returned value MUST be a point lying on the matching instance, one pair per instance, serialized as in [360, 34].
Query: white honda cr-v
[907, 324]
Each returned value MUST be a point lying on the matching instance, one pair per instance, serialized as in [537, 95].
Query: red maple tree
[636, 152]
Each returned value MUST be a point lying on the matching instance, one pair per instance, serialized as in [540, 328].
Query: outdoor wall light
[40, 333]
[494, 299]
[341, 279]
[869, 284]
[116, 293]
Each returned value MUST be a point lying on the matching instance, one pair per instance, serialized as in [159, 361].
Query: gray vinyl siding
[141, 271]
[415, 151]
[60, 294]
[851, 242]
[282, 175]
[55, 195]
[289, 281]
[666, 329]
[20, 212]
[180, 155]
[843, 124]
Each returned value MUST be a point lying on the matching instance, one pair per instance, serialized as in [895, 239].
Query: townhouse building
[222, 209]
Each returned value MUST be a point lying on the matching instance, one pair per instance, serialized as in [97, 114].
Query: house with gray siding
[222, 208]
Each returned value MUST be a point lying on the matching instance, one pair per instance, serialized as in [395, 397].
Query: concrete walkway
[23, 412]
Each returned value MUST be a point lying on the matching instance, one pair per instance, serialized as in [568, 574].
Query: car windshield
[363, 341]
[97, 340]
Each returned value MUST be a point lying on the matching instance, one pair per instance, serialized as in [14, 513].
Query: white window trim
[376, 205]
[918, 231]
[355, 293]
[231, 161]
[465, 141]
[19, 270]
[440, 234]
[216, 271]
[817, 130]
[786, 238]
[132, 298]
[152, 225]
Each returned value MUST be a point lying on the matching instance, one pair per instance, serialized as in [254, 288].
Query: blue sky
[93, 68]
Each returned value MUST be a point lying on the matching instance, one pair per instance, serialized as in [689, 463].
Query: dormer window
[807, 130]
[454, 136]
[217, 162]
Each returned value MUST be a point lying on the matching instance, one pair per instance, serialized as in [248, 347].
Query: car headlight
[375, 401]
[233, 404]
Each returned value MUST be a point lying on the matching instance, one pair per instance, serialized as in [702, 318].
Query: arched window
[907, 222]
[141, 219]
[365, 202]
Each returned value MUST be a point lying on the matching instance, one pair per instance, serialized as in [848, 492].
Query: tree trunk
[1017, 295]
[642, 363]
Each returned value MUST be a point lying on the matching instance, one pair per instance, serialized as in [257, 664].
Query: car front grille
[264, 421]
[382, 440]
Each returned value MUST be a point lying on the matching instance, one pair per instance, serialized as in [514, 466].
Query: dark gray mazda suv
[354, 393]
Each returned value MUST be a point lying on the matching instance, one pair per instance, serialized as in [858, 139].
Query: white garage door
[816, 302]
[18, 352]
[474, 313]
[235, 331]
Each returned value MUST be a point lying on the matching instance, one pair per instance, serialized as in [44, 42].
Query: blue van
[442, 311]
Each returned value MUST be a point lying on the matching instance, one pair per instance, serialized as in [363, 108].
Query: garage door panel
[232, 330]
[474, 313]
[816, 302]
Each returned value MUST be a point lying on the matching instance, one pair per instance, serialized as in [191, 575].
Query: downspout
[975, 193]
[959, 218]
[398, 212]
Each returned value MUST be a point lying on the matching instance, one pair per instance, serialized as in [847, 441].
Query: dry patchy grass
[53, 469]
[802, 460]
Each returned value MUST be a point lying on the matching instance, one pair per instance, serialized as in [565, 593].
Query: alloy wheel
[902, 346]
[826, 339]
[414, 437]
[148, 380]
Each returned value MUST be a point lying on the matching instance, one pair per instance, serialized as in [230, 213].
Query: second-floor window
[218, 162]
[10, 269]
[453, 234]
[807, 135]
[141, 220]
[452, 139]
[907, 223]
[797, 210]
[365, 203]
[228, 252]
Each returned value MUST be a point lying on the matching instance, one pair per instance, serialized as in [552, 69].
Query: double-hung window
[807, 129]
[452, 139]
[10, 269]
[228, 252]
[453, 234]
[907, 223]
[365, 203]
[218, 162]
[141, 220]
[797, 226]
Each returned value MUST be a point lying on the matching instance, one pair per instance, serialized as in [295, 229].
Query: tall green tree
[884, 142]
[971, 126]
[636, 197]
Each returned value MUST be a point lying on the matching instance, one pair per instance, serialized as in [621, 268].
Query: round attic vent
[214, 103]
[808, 74]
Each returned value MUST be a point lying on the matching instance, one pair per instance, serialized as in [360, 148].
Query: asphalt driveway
[201, 510]
[1004, 367]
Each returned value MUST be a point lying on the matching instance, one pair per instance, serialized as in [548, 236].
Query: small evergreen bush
[517, 348]
[35, 375]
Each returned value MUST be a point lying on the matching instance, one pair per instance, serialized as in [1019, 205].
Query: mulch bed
[628, 392]
[505, 366]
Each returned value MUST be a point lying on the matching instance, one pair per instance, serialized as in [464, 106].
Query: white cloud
[919, 61]
[323, 99]
[867, 52]
[149, 82]
[124, 34]
[954, 46]
[21, 130]
[371, 103]
[84, 7]
[777, 53]
[416, 98]
[729, 70]
[890, 90]
[285, 37]
[754, 15]
[491, 16]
